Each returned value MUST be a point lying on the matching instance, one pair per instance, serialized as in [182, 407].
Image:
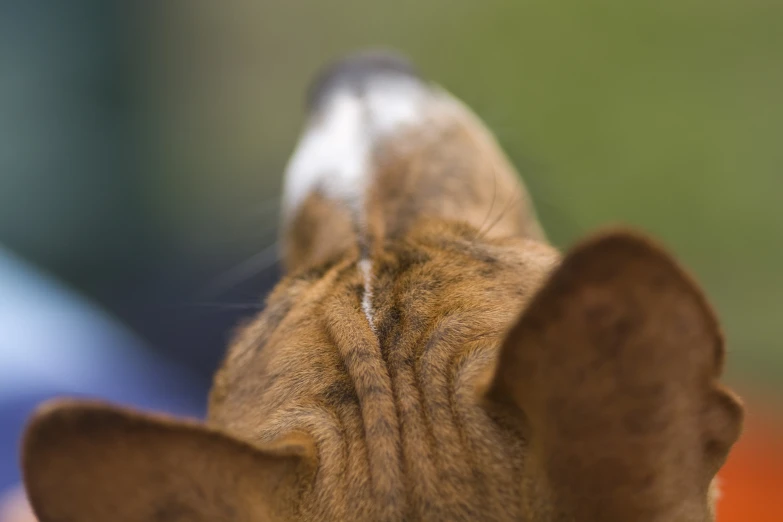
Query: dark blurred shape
[70, 197]
[355, 71]
[75, 159]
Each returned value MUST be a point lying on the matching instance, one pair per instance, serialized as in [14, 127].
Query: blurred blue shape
[55, 343]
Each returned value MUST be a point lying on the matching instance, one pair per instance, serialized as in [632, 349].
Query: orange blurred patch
[752, 479]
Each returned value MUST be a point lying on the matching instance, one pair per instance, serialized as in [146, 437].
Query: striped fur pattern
[428, 356]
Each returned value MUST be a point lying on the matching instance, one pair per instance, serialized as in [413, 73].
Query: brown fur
[600, 403]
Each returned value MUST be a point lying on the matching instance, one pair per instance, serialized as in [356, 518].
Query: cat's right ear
[615, 367]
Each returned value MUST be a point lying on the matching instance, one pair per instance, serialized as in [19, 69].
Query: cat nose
[359, 73]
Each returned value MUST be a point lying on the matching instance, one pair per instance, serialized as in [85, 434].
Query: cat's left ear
[88, 462]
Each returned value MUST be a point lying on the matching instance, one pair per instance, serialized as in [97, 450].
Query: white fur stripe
[334, 152]
[365, 266]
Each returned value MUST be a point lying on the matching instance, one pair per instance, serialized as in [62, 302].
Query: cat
[427, 356]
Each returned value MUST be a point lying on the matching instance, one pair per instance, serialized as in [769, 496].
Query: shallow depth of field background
[142, 144]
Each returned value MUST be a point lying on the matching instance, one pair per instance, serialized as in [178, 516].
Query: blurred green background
[146, 144]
